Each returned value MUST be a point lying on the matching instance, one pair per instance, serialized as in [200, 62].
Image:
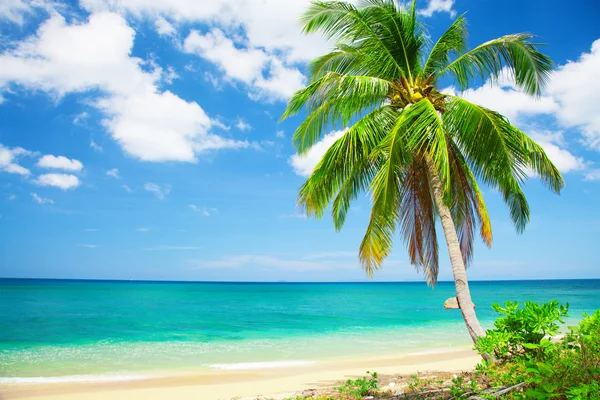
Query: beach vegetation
[359, 388]
[529, 352]
[419, 151]
[535, 357]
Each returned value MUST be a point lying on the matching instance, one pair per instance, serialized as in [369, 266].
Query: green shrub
[359, 388]
[522, 344]
[520, 332]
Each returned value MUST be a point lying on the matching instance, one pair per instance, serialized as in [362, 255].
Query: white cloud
[271, 262]
[270, 24]
[172, 248]
[243, 125]
[8, 157]
[509, 101]
[95, 146]
[280, 134]
[149, 124]
[563, 159]
[127, 188]
[90, 246]
[213, 80]
[280, 84]
[59, 162]
[81, 117]
[242, 64]
[246, 65]
[16, 10]
[304, 165]
[170, 75]
[205, 212]
[593, 175]
[41, 200]
[12, 196]
[293, 216]
[164, 27]
[159, 192]
[143, 229]
[436, 6]
[113, 172]
[62, 181]
[16, 169]
[576, 88]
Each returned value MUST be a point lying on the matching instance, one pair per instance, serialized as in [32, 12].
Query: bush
[359, 388]
[522, 343]
[522, 332]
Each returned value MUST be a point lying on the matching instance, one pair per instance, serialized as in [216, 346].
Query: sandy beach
[246, 384]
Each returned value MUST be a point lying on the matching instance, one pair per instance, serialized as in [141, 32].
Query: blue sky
[140, 140]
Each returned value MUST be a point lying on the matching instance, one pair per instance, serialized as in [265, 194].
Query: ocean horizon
[57, 330]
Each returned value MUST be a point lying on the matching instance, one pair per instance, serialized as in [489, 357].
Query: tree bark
[459, 270]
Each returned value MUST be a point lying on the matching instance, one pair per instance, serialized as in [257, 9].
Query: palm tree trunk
[458, 266]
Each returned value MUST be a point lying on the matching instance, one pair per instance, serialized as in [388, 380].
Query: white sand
[246, 384]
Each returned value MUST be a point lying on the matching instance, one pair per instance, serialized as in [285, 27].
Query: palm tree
[419, 152]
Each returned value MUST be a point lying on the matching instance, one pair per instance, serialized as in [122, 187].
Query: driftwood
[500, 392]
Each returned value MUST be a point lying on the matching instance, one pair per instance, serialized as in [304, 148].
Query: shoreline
[247, 383]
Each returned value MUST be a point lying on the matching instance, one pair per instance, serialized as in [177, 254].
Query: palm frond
[468, 208]
[385, 189]
[417, 220]
[332, 102]
[526, 65]
[379, 29]
[452, 42]
[494, 151]
[348, 156]
[425, 134]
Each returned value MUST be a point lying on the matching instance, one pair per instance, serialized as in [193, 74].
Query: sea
[78, 330]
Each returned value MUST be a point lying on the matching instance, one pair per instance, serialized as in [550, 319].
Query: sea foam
[69, 379]
[263, 365]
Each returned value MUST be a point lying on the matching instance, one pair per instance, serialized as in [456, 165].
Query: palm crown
[406, 141]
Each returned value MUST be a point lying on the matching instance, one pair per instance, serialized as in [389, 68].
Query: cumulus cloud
[579, 96]
[593, 175]
[304, 164]
[164, 27]
[243, 125]
[8, 158]
[436, 6]
[113, 172]
[53, 162]
[16, 10]
[41, 200]
[149, 124]
[127, 188]
[267, 76]
[159, 191]
[61, 181]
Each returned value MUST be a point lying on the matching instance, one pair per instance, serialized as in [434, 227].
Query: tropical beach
[237, 339]
[299, 200]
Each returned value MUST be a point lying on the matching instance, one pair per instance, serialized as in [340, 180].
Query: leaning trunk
[459, 271]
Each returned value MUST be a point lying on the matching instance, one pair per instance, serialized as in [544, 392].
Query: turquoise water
[54, 328]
